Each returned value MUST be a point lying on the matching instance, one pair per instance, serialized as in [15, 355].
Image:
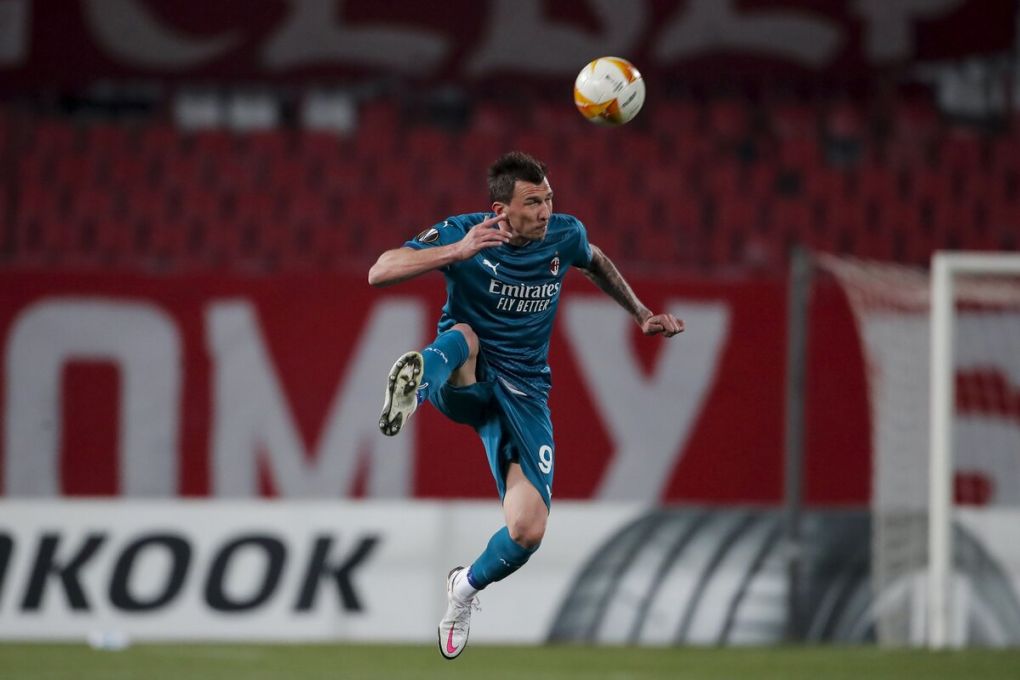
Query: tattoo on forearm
[604, 274]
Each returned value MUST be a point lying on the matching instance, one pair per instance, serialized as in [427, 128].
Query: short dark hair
[510, 167]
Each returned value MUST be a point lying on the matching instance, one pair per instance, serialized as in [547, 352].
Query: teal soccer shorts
[514, 427]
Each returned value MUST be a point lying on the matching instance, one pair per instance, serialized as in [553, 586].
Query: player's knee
[469, 337]
[527, 532]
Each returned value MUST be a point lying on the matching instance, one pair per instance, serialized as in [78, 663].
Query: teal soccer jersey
[509, 294]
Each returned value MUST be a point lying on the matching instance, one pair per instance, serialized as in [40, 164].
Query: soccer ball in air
[609, 91]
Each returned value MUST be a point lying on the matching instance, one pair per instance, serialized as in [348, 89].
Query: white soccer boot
[455, 626]
[401, 392]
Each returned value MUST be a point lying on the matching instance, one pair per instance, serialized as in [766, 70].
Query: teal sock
[445, 355]
[502, 557]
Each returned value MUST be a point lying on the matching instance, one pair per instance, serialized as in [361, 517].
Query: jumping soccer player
[488, 367]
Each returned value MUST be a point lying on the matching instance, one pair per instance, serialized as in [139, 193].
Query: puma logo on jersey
[490, 265]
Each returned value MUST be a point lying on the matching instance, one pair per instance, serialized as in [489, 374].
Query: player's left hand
[662, 324]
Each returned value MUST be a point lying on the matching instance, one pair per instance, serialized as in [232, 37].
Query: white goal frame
[945, 267]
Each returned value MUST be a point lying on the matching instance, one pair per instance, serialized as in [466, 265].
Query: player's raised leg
[416, 375]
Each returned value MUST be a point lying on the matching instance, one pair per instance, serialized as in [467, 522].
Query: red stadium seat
[378, 130]
[556, 117]
[167, 239]
[916, 116]
[54, 136]
[1005, 154]
[35, 168]
[5, 132]
[791, 220]
[73, 170]
[427, 143]
[479, 149]
[128, 170]
[678, 117]
[844, 120]
[283, 175]
[642, 150]
[848, 220]
[739, 214]
[826, 184]
[91, 203]
[802, 153]
[962, 149]
[211, 144]
[157, 139]
[491, 118]
[728, 119]
[1004, 224]
[223, 239]
[628, 214]
[761, 179]
[535, 143]
[723, 179]
[267, 145]
[662, 182]
[793, 120]
[204, 204]
[180, 169]
[317, 144]
[142, 203]
[877, 182]
[110, 139]
[929, 184]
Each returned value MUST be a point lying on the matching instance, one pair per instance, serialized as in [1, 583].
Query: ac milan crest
[554, 265]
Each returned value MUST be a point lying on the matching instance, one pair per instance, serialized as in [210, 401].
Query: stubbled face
[528, 211]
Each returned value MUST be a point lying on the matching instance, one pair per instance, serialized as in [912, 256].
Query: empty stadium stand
[716, 185]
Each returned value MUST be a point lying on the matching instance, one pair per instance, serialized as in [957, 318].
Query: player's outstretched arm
[604, 274]
[400, 264]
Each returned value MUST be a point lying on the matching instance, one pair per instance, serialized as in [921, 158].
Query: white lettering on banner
[127, 30]
[251, 417]
[87, 564]
[508, 20]
[889, 34]
[144, 344]
[313, 32]
[702, 26]
[253, 571]
[649, 420]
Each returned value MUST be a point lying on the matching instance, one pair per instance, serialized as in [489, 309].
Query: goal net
[943, 367]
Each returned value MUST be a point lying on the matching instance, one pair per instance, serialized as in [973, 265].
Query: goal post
[946, 267]
[942, 354]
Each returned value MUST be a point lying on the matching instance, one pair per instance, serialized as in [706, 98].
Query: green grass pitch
[391, 662]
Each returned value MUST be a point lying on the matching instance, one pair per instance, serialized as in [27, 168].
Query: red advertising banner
[230, 386]
[75, 43]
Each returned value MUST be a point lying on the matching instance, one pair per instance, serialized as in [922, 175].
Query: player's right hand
[488, 233]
